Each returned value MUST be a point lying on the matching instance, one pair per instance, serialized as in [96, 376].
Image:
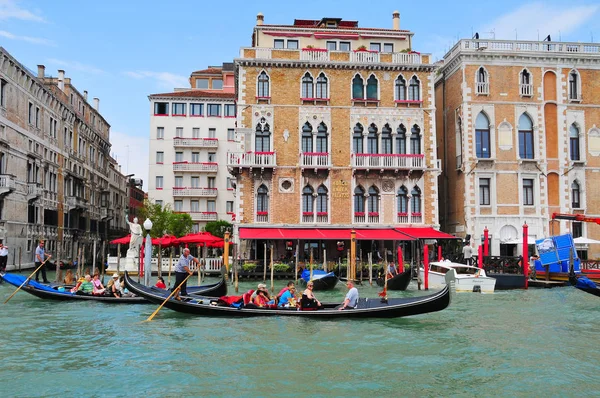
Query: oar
[27, 280]
[167, 299]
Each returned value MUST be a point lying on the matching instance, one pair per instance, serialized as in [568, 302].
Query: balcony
[366, 218]
[315, 218]
[251, 159]
[262, 216]
[195, 142]
[76, 203]
[315, 160]
[314, 54]
[203, 167]
[482, 88]
[543, 47]
[7, 184]
[364, 57]
[526, 90]
[34, 190]
[106, 213]
[367, 161]
[203, 215]
[195, 192]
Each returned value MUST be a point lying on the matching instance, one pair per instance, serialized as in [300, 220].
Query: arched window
[525, 77]
[372, 144]
[574, 143]
[357, 139]
[575, 195]
[482, 136]
[525, 83]
[386, 139]
[262, 199]
[415, 140]
[307, 138]
[402, 199]
[322, 86]
[400, 89]
[372, 88]
[373, 199]
[525, 137]
[401, 140]
[263, 85]
[262, 137]
[482, 84]
[307, 86]
[414, 89]
[359, 199]
[322, 199]
[322, 138]
[358, 88]
[415, 200]
[308, 200]
[574, 85]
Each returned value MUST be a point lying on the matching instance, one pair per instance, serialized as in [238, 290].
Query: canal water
[540, 342]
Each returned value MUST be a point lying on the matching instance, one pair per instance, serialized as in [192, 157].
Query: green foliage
[164, 221]
[218, 228]
[248, 267]
[281, 267]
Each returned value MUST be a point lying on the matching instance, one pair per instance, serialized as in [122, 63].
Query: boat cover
[317, 274]
[584, 282]
[17, 280]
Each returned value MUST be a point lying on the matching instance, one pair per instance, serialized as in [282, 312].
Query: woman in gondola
[309, 301]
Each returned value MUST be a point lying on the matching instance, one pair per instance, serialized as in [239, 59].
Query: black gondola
[397, 282]
[366, 308]
[584, 284]
[53, 292]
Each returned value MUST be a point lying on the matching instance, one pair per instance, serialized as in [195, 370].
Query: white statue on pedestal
[135, 242]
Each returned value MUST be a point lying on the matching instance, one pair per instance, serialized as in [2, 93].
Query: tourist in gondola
[351, 297]
[160, 283]
[182, 270]
[69, 278]
[392, 270]
[289, 285]
[262, 298]
[40, 256]
[86, 287]
[99, 288]
[309, 301]
[288, 298]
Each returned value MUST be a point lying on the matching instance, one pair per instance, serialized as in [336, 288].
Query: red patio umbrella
[165, 241]
[121, 241]
[197, 238]
[219, 244]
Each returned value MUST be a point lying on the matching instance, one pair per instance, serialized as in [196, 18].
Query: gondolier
[40, 256]
[182, 270]
[3, 257]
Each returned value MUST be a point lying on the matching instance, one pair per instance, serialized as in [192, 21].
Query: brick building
[58, 181]
[519, 139]
[336, 129]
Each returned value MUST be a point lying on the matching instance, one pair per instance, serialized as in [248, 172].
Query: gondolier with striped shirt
[182, 270]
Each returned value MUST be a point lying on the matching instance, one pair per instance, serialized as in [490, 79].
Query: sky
[122, 51]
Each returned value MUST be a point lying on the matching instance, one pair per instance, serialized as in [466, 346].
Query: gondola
[398, 281]
[366, 308]
[584, 284]
[54, 292]
[321, 280]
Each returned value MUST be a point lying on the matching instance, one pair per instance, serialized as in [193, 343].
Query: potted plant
[362, 48]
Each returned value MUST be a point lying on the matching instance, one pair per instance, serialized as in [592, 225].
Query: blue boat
[321, 280]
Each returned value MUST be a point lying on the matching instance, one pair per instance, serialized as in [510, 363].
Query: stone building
[519, 139]
[58, 181]
[336, 130]
[191, 131]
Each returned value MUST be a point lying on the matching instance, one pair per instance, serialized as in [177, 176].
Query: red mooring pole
[439, 253]
[526, 254]
[426, 265]
[486, 246]
[480, 257]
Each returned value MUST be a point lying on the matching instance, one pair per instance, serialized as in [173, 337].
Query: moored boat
[63, 293]
[468, 278]
[366, 307]
[397, 282]
[321, 280]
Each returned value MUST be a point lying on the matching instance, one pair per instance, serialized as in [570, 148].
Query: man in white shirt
[3, 257]
[351, 297]
[467, 252]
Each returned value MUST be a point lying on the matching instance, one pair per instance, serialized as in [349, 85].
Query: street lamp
[148, 257]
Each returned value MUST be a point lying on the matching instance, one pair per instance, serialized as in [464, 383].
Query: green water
[517, 343]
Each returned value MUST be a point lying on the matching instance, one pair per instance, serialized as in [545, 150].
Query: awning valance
[321, 233]
[425, 233]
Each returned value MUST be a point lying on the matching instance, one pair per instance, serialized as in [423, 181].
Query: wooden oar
[168, 298]
[27, 280]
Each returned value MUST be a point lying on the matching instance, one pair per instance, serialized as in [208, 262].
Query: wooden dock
[546, 284]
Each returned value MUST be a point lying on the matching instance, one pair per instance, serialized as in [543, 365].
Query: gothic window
[415, 140]
[372, 88]
[574, 85]
[322, 199]
[482, 136]
[416, 200]
[402, 199]
[307, 199]
[358, 88]
[373, 200]
[359, 200]
[482, 83]
[401, 140]
[357, 139]
[322, 138]
[262, 199]
[262, 137]
[372, 144]
[386, 139]
[307, 86]
[322, 87]
[575, 195]
[307, 138]
[574, 142]
[400, 89]
[263, 85]
[414, 89]
[525, 137]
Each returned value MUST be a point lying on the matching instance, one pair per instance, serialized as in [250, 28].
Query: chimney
[61, 79]
[396, 20]
[85, 95]
[41, 71]
[97, 104]
[260, 18]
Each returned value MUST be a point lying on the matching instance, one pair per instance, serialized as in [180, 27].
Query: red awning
[425, 233]
[321, 233]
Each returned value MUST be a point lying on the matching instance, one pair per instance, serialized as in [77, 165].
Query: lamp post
[148, 252]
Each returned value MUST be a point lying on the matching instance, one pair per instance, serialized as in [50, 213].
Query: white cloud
[9, 9]
[164, 79]
[34, 40]
[131, 153]
[539, 19]
[76, 66]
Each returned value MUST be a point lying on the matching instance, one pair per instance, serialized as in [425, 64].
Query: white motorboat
[468, 278]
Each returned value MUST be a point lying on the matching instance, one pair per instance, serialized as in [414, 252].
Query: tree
[164, 221]
[217, 228]
[179, 224]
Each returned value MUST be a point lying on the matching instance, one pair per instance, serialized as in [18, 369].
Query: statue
[136, 238]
